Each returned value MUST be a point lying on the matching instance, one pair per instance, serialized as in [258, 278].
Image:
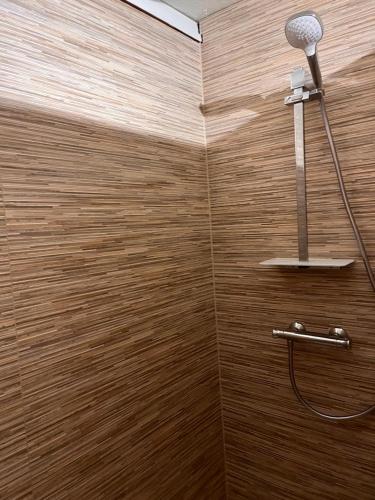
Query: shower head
[303, 31]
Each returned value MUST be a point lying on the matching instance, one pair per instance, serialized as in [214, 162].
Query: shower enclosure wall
[108, 359]
[115, 332]
[274, 448]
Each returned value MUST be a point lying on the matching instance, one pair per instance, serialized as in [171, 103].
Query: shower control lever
[337, 336]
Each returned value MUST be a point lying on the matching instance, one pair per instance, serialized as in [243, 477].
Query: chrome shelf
[314, 262]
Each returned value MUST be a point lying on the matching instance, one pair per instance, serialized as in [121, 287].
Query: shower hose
[366, 262]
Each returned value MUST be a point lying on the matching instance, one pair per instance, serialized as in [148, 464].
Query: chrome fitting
[305, 96]
[337, 336]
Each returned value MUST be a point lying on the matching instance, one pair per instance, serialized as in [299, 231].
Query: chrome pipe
[317, 338]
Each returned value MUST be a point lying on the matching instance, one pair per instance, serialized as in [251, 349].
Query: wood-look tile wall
[274, 448]
[108, 359]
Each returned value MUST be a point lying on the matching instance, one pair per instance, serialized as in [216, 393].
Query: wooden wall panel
[15, 478]
[274, 448]
[111, 369]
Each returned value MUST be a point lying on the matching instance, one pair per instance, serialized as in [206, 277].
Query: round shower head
[304, 30]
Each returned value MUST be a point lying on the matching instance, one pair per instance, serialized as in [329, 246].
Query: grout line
[214, 286]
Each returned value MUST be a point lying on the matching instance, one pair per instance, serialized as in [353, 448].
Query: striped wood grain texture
[274, 448]
[108, 358]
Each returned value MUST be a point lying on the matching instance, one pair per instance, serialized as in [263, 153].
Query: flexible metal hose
[366, 263]
[344, 194]
[307, 405]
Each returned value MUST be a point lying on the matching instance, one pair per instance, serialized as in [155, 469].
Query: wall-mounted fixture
[337, 336]
[304, 31]
[297, 100]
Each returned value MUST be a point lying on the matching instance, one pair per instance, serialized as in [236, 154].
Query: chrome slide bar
[298, 80]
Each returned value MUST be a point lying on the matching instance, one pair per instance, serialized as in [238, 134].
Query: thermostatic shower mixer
[337, 336]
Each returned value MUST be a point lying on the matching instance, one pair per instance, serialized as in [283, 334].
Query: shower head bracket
[305, 96]
[300, 87]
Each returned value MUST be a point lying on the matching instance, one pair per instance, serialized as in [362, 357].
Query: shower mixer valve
[337, 336]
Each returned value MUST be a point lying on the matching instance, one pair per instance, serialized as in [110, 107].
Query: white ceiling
[197, 9]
